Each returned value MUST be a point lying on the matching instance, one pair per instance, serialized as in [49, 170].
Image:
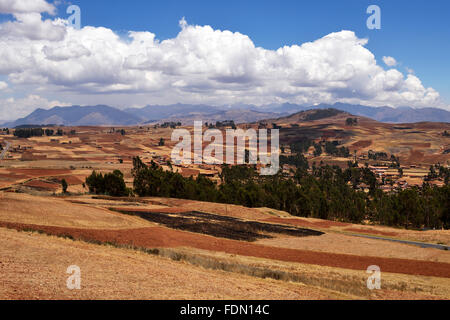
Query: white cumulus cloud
[390, 61]
[12, 108]
[3, 85]
[200, 65]
[26, 6]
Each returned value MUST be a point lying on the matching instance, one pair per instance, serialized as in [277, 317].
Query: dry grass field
[34, 266]
[58, 232]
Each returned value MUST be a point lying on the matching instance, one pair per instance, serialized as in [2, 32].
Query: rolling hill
[77, 116]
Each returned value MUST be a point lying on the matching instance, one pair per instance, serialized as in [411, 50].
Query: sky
[134, 53]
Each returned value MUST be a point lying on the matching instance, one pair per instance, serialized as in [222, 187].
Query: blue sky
[415, 32]
[257, 52]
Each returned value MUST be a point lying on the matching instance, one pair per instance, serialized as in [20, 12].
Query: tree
[351, 121]
[161, 142]
[64, 185]
[111, 184]
[317, 149]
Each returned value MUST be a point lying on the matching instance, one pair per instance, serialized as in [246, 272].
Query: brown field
[23, 208]
[156, 237]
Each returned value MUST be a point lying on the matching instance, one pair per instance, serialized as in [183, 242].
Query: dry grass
[349, 282]
[51, 211]
[34, 267]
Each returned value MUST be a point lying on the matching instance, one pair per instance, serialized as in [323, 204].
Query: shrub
[111, 184]
[64, 185]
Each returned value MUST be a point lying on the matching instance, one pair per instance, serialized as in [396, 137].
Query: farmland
[165, 248]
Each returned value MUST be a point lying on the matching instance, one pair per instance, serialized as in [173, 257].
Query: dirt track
[381, 233]
[152, 237]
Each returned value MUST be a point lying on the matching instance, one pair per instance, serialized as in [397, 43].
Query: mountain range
[102, 115]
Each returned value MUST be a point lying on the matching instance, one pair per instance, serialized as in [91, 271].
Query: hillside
[393, 115]
[77, 116]
[414, 143]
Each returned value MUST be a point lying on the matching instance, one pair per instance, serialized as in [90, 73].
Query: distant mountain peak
[186, 113]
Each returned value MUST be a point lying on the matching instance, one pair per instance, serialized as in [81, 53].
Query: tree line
[325, 192]
[36, 132]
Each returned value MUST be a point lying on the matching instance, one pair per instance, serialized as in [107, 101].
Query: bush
[111, 184]
[64, 185]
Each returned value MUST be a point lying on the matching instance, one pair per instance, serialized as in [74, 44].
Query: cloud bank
[199, 65]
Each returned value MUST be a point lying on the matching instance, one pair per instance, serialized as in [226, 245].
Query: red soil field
[13, 176]
[362, 144]
[185, 172]
[39, 172]
[42, 185]
[416, 144]
[416, 156]
[154, 237]
[71, 180]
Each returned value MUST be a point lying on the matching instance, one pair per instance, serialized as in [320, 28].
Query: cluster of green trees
[377, 155]
[36, 132]
[417, 207]
[331, 147]
[275, 126]
[437, 171]
[172, 125]
[324, 192]
[298, 160]
[301, 146]
[221, 124]
[5, 130]
[112, 184]
[351, 121]
[28, 132]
